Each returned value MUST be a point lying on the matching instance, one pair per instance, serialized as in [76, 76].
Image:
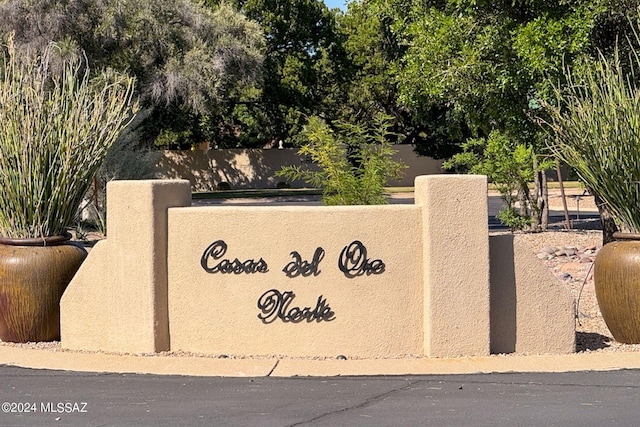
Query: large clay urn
[33, 276]
[617, 284]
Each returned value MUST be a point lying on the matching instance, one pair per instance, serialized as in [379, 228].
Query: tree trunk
[544, 202]
[536, 200]
[567, 221]
[522, 200]
[541, 199]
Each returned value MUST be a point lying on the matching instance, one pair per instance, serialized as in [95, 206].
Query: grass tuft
[57, 127]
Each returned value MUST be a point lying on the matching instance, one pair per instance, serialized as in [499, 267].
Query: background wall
[256, 168]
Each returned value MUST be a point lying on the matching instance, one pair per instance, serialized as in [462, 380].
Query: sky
[336, 3]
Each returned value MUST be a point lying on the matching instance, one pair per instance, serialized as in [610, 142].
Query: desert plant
[510, 166]
[354, 163]
[128, 158]
[595, 129]
[57, 127]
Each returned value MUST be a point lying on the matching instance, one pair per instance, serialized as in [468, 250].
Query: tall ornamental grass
[596, 130]
[56, 127]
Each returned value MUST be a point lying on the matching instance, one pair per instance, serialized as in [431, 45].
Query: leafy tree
[374, 46]
[187, 59]
[491, 63]
[508, 165]
[302, 71]
[371, 48]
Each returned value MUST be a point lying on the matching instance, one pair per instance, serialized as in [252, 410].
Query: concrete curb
[215, 367]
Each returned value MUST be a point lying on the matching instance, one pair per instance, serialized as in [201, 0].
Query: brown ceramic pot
[33, 275]
[617, 283]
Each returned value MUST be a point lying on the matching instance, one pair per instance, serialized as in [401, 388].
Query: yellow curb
[462, 365]
[162, 365]
[203, 366]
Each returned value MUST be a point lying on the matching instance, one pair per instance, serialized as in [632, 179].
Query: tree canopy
[302, 72]
[486, 66]
[252, 72]
[185, 57]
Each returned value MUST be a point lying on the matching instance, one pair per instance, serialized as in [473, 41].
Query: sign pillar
[117, 301]
[456, 264]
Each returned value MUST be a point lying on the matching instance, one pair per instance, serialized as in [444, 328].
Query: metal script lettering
[353, 261]
[274, 305]
[216, 251]
[298, 267]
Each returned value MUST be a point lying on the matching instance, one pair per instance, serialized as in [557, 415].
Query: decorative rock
[549, 252]
[568, 252]
[565, 276]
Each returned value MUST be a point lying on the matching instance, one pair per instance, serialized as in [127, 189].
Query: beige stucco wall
[256, 168]
[376, 315]
[432, 301]
[531, 311]
[146, 288]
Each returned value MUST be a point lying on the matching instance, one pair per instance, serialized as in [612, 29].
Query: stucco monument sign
[298, 280]
[358, 281]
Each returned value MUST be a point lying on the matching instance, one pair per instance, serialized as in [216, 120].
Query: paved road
[582, 219]
[544, 399]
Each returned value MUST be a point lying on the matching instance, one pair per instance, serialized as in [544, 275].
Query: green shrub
[508, 164]
[354, 163]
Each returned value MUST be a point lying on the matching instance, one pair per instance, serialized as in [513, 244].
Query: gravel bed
[575, 271]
